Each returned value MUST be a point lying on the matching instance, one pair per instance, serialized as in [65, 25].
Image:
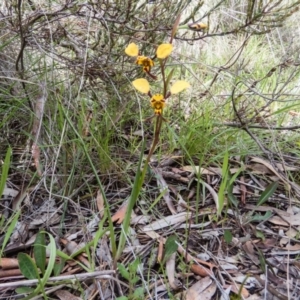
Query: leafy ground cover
[149, 150]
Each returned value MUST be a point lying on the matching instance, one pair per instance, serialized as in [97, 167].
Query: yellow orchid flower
[158, 103]
[198, 26]
[147, 63]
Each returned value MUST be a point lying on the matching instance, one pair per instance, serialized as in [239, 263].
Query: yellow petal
[132, 50]
[179, 86]
[142, 85]
[164, 50]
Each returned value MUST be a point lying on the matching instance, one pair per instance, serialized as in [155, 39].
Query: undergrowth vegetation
[138, 140]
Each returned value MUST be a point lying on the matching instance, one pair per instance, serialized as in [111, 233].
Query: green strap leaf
[10, 230]
[27, 266]
[39, 251]
[4, 171]
[170, 247]
[267, 193]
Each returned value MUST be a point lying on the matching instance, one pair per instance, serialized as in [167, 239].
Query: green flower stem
[137, 186]
[158, 124]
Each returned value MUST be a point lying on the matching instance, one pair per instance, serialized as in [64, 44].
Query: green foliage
[58, 267]
[232, 200]
[123, 271]
[196, 133]
[137, 185]
[131, 275]
[261, 217]
[262, 261]
[170, 247]
[138, 293]
[267, 193]
[39, 251]
[235, 297]
[259, 234]
[227, 236]
[29, 268]
[224, 183]
[4, 171]
[122, 298]
[9, 231]
[24, 290]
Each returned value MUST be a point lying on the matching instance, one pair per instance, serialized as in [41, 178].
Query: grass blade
[4, 171]
[267, 193]
[138, 182]
[10, 229]
[39, 250]
[221, 193]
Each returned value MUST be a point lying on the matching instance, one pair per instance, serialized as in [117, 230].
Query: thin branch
[83, 276]
[238, 125]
